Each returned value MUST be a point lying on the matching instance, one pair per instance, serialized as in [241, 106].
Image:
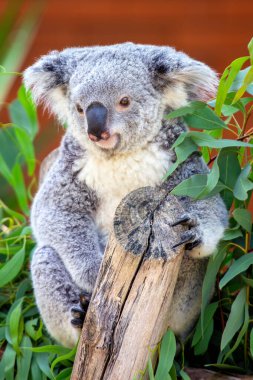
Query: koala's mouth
[110, 143]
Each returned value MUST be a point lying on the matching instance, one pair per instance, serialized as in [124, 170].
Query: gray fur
[70, 211]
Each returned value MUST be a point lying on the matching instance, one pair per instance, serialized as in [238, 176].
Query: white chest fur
[115, 177]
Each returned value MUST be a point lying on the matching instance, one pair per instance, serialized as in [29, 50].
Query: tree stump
[129, 308]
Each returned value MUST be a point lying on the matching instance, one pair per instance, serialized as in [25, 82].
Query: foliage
[27, 351]
[223, 337]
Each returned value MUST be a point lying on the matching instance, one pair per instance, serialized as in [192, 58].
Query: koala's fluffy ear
[175, 71]
[48, 79]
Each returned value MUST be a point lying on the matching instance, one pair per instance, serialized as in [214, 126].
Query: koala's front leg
[207, 220]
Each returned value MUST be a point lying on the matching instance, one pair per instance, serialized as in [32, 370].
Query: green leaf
[247, 281]
[192, 187]
[235, 319]
[8, 361]
[238, 81]
[246, 82]
[213, 267]
[198, 115]
[65, 374]
[204, 139]
[226, 82]
[35, 371]
[150, 370]
[240, 265]
[6, 173]
[207, 319]
[33, 329]
[251, 342]
[14, 321]
[70, 355]
[173, 372]
[42, 359]
[26, 148]
[243, 184]
[204, 119]
[166, 357]
[231, 234]
[52, 349]
[25, 99]
[20, 188]
[184, 375]
[243, 217]
[186, 110]
[24, 361]
[202, 346]
[241, 333]
[212, 180]
[12, 268]
[229, 166]
[183, 151]
[250, 48]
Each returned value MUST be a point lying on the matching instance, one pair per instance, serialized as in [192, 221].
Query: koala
[114, 100]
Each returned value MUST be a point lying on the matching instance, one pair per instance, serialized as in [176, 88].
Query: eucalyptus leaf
[151, 371]
[250, 48]
[235, 319]
[24, 361]
[204, 118]
[213, 267]
[12, 267]
[241, 333]
[166, 357]
[200, 333]
[243, 217]
[240, 265]
[192, 187]
[202, 346]
[226, 81]
[243, 184]
[8, 361]
[231, 234]
[14, 321]
[186, 110]
[251, 343]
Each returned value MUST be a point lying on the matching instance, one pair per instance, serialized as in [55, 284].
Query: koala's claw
[186, 238]
[79, 311]
[193, 244]
[185, 219]
[77, 322]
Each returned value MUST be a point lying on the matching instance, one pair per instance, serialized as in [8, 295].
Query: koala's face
[114, 97]
[113, 102]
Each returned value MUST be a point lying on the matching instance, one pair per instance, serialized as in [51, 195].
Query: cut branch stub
[129, 308]
[142, 222]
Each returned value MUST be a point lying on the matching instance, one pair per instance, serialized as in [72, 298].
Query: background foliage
[223, 337]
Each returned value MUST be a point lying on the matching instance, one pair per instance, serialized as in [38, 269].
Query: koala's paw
[79, 311]
[191, 238]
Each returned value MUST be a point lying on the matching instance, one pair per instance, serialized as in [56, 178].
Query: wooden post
[128, 312]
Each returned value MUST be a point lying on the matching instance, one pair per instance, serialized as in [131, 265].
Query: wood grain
[129, 309]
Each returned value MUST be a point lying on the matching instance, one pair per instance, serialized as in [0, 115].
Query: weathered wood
[128, 312]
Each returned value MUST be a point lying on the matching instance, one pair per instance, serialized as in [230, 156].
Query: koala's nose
[96, 115]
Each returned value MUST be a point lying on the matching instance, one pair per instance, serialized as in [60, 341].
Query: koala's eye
[125, 101]
[79, 108]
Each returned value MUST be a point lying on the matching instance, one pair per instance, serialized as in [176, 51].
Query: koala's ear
[173, 70]
[48, 80]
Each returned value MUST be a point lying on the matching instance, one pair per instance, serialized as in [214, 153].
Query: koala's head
[114, 98]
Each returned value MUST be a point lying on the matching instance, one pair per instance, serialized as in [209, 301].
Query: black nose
[96, 115]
